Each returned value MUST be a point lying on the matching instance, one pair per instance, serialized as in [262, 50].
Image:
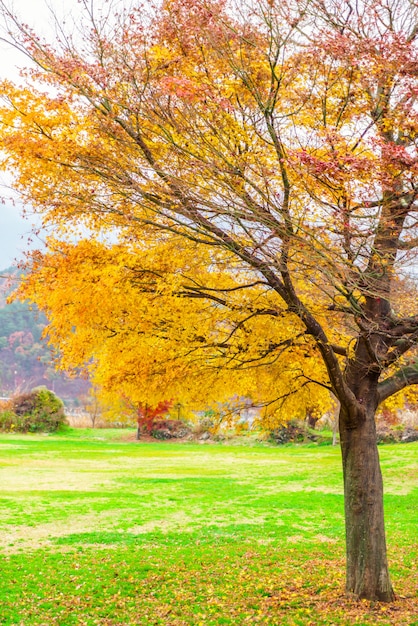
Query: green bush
[40, 410]
[7, 420]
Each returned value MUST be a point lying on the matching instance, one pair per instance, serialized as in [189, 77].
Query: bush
[205, 425]
[40, 410]
[386, 434]
[169, 429]
[7, 420]
[293, 432]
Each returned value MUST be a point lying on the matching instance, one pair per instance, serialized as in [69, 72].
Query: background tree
[135, 318]
[279, 138]
[26, 361]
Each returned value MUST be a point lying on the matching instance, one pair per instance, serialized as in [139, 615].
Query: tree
[277, 140]
[25, 360]
[146, 415]
[133, 316]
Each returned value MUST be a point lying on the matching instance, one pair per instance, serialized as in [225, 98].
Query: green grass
[96, 530]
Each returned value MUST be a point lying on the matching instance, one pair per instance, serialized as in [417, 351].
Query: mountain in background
[26, 361]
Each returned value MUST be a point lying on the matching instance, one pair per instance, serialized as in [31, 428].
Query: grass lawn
[97, 530]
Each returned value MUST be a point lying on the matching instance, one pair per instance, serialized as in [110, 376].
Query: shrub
[293, 432]
[7, 420]
[40, 410]
[206, 424]
[169, 429]
[385, 434]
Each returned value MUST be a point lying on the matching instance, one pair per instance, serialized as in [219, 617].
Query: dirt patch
[145, 438]
[17, 538]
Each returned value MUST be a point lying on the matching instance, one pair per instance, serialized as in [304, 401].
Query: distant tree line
[26, 361]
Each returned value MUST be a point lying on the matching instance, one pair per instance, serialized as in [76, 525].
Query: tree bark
[367, 567]
[312, 421]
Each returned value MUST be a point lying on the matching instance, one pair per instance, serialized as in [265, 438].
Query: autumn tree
[133, 316]
[278, 141]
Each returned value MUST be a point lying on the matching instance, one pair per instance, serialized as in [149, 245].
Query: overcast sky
[14, 230]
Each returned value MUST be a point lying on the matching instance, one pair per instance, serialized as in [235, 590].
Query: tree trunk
[367, 567]
[312, 421]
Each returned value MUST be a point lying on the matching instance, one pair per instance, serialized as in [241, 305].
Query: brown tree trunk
[312, 421]
[367, 567]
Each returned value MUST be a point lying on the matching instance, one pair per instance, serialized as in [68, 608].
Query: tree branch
[402, 378]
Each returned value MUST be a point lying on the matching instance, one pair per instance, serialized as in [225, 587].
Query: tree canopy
[257, 162]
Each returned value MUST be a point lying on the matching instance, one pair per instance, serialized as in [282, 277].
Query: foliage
[292, 432]
[386, 434]
[145, 337]
[25, 358]
[182, 533]
[169, 429]
[38, 410]
[8, 420]
[237, 164]
[147, 416]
